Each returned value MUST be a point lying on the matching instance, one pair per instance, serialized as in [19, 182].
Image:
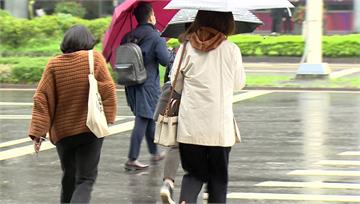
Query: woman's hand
[37, 143]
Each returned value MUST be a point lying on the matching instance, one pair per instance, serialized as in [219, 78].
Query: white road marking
[27, 139]
[28, 117]
[313, 91]
[269, 71]
[15, 117]
[315, 184]
[15, 142]
[350, 153]
[340, 162]
[15, 89]
[29, 149]
[248, 95]
[20, 151]
[292, 197]
[123, 127]
[344, 72]
[15, 104]
[317, 172]
[32, 89]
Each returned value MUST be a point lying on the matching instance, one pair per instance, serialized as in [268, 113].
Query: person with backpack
[142, 98]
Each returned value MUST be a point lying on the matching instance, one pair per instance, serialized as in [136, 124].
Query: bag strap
[91, 61]
[176, 77]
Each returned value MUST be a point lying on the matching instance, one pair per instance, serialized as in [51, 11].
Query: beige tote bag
[167, 121]
[96, 120]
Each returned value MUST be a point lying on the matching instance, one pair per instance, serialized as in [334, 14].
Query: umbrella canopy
[245, 22]
[123, 21]
[228, 5]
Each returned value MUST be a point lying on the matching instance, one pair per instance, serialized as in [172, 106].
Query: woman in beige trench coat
[211, 71]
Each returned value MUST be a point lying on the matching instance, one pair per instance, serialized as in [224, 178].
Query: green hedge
[24, 69]
[17, 32]
[292, 45]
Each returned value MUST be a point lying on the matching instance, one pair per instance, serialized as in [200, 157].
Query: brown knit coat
[61, 98]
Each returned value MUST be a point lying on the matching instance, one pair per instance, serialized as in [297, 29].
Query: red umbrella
[123, 19]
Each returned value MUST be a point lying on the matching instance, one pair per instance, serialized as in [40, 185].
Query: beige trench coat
[207, 84]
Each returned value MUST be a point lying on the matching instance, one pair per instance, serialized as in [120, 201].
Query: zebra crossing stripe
[325, 173]
[340, 162]
[350, 153]
[15, 117]
[294, 197]
[15, 104]
[314, 184]
[250, 94]
[14, 142]
[29, 149]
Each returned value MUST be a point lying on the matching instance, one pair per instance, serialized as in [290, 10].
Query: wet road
[298, 147]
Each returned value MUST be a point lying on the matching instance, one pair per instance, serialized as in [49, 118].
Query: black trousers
[79, 156]
[204, 164]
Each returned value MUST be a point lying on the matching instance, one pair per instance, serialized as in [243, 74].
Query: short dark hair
[220, 21]
[77, 38]
[143, 12]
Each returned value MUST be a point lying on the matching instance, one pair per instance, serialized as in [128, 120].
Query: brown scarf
[206, 39]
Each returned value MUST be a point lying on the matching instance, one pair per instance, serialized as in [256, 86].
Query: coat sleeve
[107, 88]
[161, 51]
[44, 104]
[239, 72]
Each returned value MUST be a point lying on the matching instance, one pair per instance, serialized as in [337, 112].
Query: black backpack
[129, 64]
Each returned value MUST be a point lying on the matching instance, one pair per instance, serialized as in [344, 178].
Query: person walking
[172, 160]
[60, 108]
[211, 71]
[143, 98]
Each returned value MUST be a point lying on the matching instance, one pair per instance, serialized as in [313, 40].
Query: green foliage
[292, 45]
[22, 69]
[98, 27]
[19, 35]
[4, 13]
[15, 32]
[73, 8]
[5, 73]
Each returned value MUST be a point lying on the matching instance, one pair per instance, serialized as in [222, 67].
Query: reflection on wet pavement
[300, 147]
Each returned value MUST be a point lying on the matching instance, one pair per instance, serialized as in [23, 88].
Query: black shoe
[166, 193]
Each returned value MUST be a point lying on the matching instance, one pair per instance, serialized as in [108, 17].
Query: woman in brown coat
[60, 109]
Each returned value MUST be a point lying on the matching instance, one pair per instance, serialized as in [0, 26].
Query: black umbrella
[245, 22]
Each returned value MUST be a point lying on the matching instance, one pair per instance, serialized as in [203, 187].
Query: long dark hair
[220, 21]
[77, 38]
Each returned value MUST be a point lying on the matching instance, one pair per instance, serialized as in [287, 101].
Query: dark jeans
[143, 126]
[204, 164]
[79, 156]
